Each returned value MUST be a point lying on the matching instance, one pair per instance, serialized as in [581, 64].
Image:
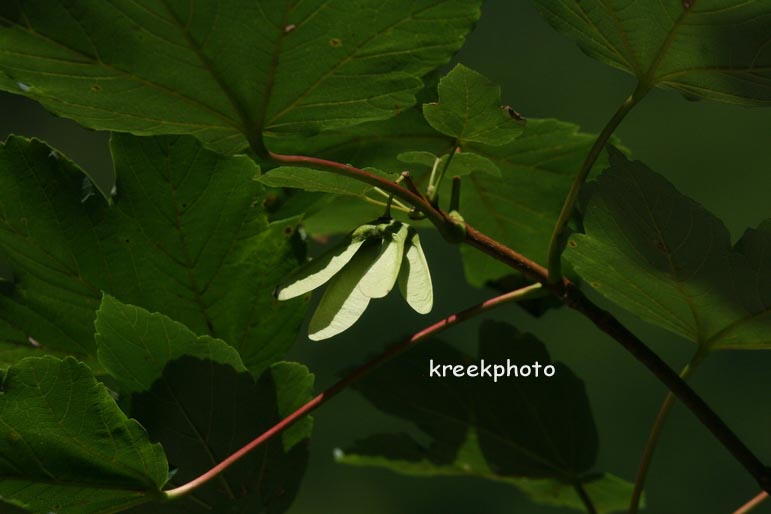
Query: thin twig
[396, 206]
[407, 178]
[655, 433]
[357, 374]
[455, 195]
[390, 197]
[434, 183]
[585, 498]
[557, 240]
[750, 505]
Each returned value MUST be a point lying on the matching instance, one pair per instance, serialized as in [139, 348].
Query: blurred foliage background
[719, 155]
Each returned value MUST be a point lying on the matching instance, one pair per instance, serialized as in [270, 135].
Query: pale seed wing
[343, 302]
[381, 277]
[415, 277]
[318, 271]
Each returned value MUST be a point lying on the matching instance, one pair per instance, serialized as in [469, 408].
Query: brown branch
[573, 298]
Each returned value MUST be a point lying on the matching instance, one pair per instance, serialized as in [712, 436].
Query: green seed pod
[343, 302]
[414, 276]
[367, 264]
[318, 271]
[383, 272]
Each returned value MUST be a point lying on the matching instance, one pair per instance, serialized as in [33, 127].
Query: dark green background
[720, 155]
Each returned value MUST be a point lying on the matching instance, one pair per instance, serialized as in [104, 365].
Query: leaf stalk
[655, 433]
[585, 498]
[754, 502]
[557, 241]
[455, 197]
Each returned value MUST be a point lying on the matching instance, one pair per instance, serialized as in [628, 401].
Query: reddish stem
[437, 217]
[407, 178]
[750, 505]
[349, 379]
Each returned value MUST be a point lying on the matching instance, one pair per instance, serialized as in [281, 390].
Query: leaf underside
[241, 69]
[134, 345]
[67, 447]
[715, 49]
[663, 257]
[187, 232]
[469, 110]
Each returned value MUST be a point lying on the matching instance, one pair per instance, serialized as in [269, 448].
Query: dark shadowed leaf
[313, 180]
[716, 49]
[67, 447]
[9, 508]
[543, 428]
[202, 412]
[239, 68]
[187, 237]
[374, 144]
[135, 345]
[534, 433]
[662, 256]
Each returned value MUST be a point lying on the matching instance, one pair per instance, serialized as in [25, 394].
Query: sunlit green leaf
[202, 412]
[187, 237]
[469, 110]
[343, 302]
[67, 447]
[716, 49]
[520, 207]
[663, 257]
[135, 345]
[226, 70]
[534, 433]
